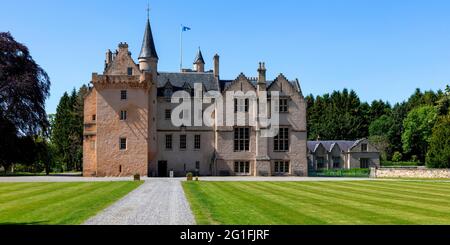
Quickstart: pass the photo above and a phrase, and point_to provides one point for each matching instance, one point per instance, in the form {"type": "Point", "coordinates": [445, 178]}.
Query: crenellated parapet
{"type": "Point", "coordinates": [142, 81]}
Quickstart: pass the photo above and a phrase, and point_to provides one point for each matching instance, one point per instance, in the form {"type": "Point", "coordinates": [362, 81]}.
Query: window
{"type": "Point", "coordinates": [197, 166]}
{"type": "Point", "coordinates": [281, 141]}
{"type": "Point", "coordinates": [320, 163]}
{"type": "Point", "coordinates": [168, 142]}
{"type": "Point", "coordinates": [283, 105]}
{"type": "Point", "coordinates": [364, 147]}
{"type": "Point", "coordinates": [241, 139]}
{"type": "Point", "coordinates": [336, 162]}
{"type": "Point", "coordinates": [282, 167]}
{"type": "Point", "coordinates": [123, 95]}
{"type": "Point", "coordinates": [242, 168]}
{"type": "Point", "coordinates": [183, 142]}
{"type": "Point", "coordinates": [130, 71]}
{"type": "Point", "coordinates": [168, 114]}
{"type": "Point", "coordinates": [120, 168]}
{"type": "Point", "coordinates": [94, 117]}
{"type": "Point", "coordinates": [123, 144]}
{"type": "Point", "coordinates": [123, 115]}
{"type": "Point", "coordinates": [241, 105]}
{"type": "Point", "coordinates": [197, 142]}
{"type": "Point", "coordinates": [364, 162]}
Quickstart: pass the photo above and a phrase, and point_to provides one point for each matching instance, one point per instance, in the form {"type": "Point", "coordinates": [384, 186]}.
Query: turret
{"type": "Point", "coordinates": [148, 58]}
{"type": "Point", "coordinates": [199, 63]}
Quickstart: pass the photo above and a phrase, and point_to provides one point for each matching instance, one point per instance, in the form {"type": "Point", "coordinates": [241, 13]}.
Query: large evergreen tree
{"type": "Point", "coordinates": [67, 130]}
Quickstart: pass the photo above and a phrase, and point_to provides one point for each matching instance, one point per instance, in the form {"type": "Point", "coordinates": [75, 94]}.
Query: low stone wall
{"type": "Point", "coordinates": [410, 173]}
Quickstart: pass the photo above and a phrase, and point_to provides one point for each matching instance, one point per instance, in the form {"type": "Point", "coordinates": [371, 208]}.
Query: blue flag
{"type": "Point", "coordinates": [185, 28]}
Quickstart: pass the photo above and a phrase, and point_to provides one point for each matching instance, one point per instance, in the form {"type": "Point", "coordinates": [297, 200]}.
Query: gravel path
{"type": "Point", "coordinates": [156, 202]}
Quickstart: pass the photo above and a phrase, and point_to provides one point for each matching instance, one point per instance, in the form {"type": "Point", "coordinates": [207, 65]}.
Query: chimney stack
{"type": "Point", "coordinates": [109, 57]}
{"type": "Point", "coordinates": [262, 73]}
{"type": "Point", "coordinates": [216, 65]}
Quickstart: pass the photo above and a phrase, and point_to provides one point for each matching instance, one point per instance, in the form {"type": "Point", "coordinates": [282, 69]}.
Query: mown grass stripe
{"type": "Point", "coordinates": [337, 214]}
{"type": "Point", "coordinates": [399, 195]}
{"type": "Point", "coordinates": [276, 207]}
{"type": "Point", "coordinates": [65, 203]}
{"type": "Point", "coordinates": [435, 194]}
{"type": "Point", "coordinates": [417, 213]}
{"type": "Point", "coordinates": [357, 213]}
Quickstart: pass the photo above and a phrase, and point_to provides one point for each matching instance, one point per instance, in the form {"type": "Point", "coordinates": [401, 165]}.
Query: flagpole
{"type": "Point", "coordinates": [181, 48]}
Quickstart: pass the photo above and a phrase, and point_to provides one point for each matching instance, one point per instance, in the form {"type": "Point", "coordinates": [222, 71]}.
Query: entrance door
{"type": "Point", "coordinates": [162, 169]}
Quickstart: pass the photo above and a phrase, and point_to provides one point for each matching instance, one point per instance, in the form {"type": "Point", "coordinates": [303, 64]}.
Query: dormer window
{"type": "Point", "coordinates": [168, 92]}
{"type": "Point", "coordinates": [364, 148]}
{"type": "Point", "coordinates": [130, 71]}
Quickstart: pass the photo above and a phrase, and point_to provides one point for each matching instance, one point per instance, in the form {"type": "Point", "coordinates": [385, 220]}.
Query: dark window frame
{"type": "Point", "coordinates": [241, 139]}
{"type": "Point", "coordinates": [197, 142]}
{"type": "Point", "coordinates": [169, 142]}
{"type": "Point", "coordinates": [123, 115]}
{"type": "Point", "coordinates": [183, 142]}
{"type": "Point", "coordinates": [123, 95]}
{"type": "Point", "coordinates": [168, 114]}
{"type": "Point", "coordinates": [123, 144]}
{"type": "Point", "coordinates": [282, 167]}
{"type": "Point", "coordinates": [281, 142]}
{"type": "Point", "coordinates": [242, 167]}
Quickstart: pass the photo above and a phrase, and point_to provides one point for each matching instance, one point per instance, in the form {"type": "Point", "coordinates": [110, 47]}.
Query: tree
{"type": "Point", "coordinates": [337, 116]}
{"type": "Point", "coordinates": [67, 130]}
{"type": "Point", "coordinates": [438, 155]}
{"type": "Point", "coordinates": [381, 143]}
{"type": "Point", "coordinates": [417, 131]}
{"type": "Point", "coordinates": [24, 87]}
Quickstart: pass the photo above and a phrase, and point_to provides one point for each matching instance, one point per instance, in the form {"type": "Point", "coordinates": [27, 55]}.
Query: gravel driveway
{"type": "Point", "coordinates": [156, 202]}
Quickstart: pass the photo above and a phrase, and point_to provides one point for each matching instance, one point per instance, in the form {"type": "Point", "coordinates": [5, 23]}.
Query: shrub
{"type": "Point", "coordinates": [398, 164]}
{"type": "Point", "coordinates": [355, 172]}
{"type": "Point", "coordinates": [137, 177]}
{"type": "Point", "coordinates": [397, 157]}
{"type": "Point", "coordinates": [189, 176]}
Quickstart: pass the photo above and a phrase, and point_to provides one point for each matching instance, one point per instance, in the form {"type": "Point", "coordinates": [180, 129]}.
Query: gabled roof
{"type": "Point", "coordinates": [344, 145]}
{"type": "Point", "coordinates": [148, 49]}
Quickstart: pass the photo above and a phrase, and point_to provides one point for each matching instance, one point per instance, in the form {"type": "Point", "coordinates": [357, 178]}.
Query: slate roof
{"type": "Point", "coordinates": [344, 145]}
{"type": "Point", "coordinates": [148, 49]}
{"type": "Point", "coordinates": [179, 80]}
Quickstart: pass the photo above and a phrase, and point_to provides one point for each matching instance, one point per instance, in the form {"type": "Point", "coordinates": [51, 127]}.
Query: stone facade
{"type": "Point", "coordinates": [410, 173]}
{"type": "Point", "coordinates": [146, 142]}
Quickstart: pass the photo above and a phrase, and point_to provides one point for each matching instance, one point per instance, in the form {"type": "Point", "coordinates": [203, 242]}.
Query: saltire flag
{"type": "Point", "coordinates": [185, 28]}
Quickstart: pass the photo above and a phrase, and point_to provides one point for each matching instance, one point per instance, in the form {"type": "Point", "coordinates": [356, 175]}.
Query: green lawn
{"type": "Point", "coordinates": [57, 203]}
{"type": "Point", "coordinates": [357, 202]}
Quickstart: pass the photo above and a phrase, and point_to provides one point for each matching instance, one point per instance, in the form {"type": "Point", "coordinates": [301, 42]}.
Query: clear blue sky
{"type": "Point", "coordinates": [382, 49]}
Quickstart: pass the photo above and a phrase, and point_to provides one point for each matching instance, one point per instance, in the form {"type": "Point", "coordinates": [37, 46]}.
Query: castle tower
{"type": "Point", "coordinates": [199, 63]}
{"type": "Point", "coordinates": [148, 58]}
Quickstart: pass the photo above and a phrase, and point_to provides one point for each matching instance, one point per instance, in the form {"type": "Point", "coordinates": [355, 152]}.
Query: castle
{"type": "Point", "coordinates": [128, 128]}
